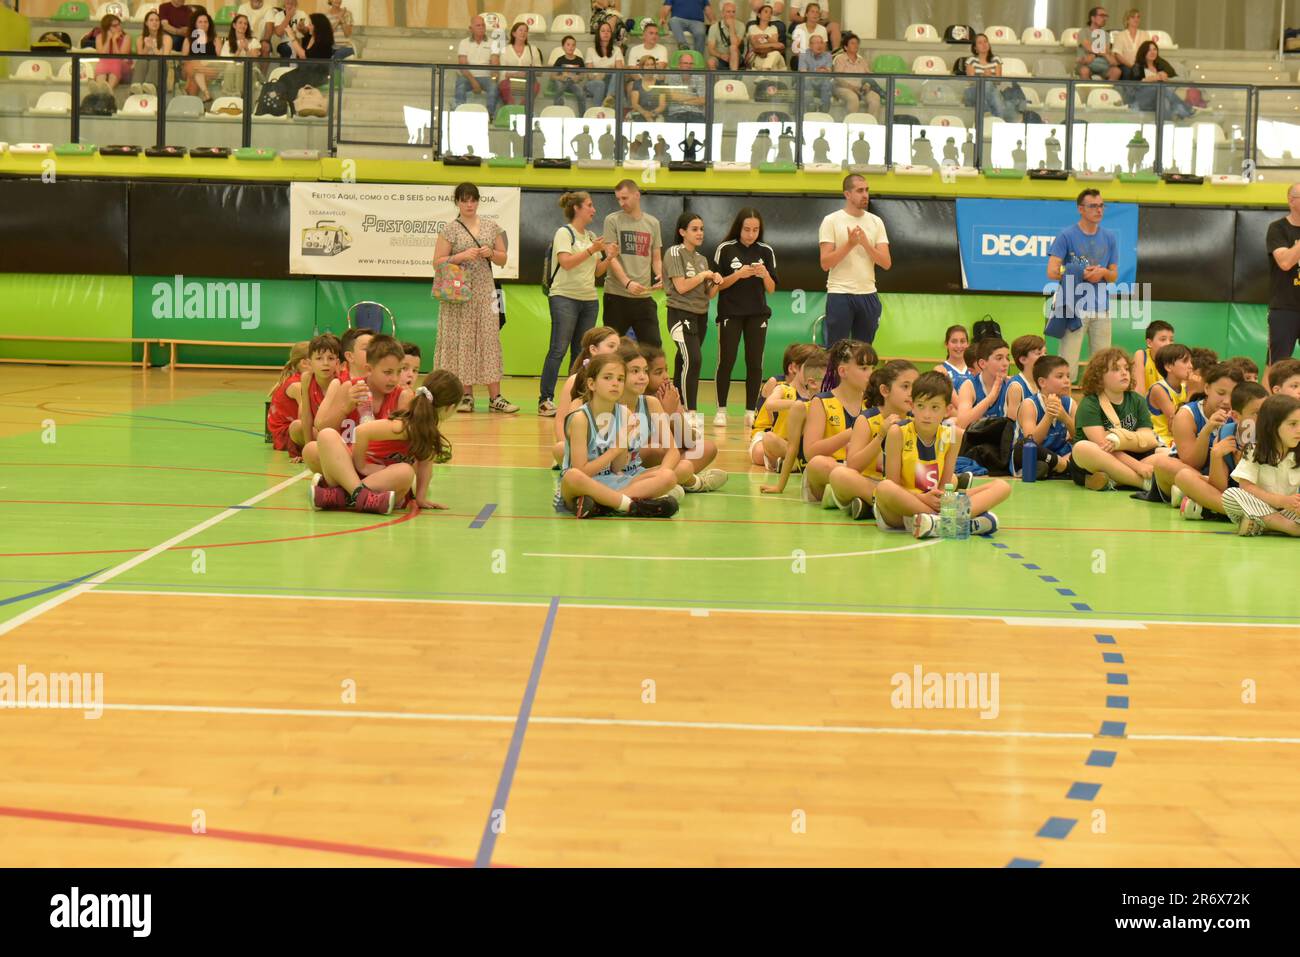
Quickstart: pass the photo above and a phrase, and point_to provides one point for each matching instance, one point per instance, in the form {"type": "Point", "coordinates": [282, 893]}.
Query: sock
{"type": "Point", "coordinates": [695, 485]}
{"type": "Point", "coordinates": [625, 505]}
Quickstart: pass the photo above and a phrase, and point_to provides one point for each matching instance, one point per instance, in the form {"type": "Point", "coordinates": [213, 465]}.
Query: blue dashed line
{"type": "Point", "coordinates": [1057, 828]}
{"type": "Point", "coordinates": [1032, 567]}
{"type": "Point", "coordinates": [1112, 657]}
{"type": "Point", "coordinates": [999, 545]}
{"type": "Point", "coordinates": [1065, 591]}
{"type": "Point", "coordinates": [1116, 701]}
{"type": "Point", "coordinates": [1112, 729]}
{"type": "Point", "coordinates": [1014, 555]}
{"type": "Point", "coordinates": [1105, 639]}
{"type": "Point", "coordinates": [1114, 678]}
{"type": "Point", "coordinates": [1023, 862]}
{"type": "Point", "coordinates": [1049, 578]}
{"type": "Point", "coordinates": [1081, 606]}
{"type": "Point", "coordinates": [1082, 791]}
{"type": "Point", "coordinates": [1100, 759]}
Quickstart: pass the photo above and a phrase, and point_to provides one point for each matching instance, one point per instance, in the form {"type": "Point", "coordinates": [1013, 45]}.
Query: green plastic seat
{"type": "Point", "coordinates": [904, 95]}
{"type": "Point", "coordinates": [889, 63]}
{"type": "Point", "coordinates": [255, 153]}
{"type": "Point", "coordinates": [73, 11]}
{"type": "Point", "coordinates": [226, 15]}
{"type": "Point", "coordinates": [502, 120]}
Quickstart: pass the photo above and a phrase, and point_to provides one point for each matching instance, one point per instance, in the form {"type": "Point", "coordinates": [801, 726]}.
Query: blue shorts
{"type": "Point", "coordinates": [1097, 65]}
{"type": "Point", "coordinates": [611, 480]}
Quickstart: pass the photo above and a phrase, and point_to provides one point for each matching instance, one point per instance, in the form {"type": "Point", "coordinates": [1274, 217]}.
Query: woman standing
{"type": "Point", "coordinates": [577, 260]}
{"type": "Point", "coordinates": [690, 284]}
{"type": "Point", "coordinates": [747, 266]}
{"type": "Point", "coordinates": [468, 342]}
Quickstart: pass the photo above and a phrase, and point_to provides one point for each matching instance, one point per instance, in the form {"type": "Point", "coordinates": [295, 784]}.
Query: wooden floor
{"type": "Point", "coordinates": [284, 687]}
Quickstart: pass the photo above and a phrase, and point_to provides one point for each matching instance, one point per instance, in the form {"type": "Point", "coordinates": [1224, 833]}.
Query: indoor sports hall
{"type": "Point", "coordinates": [199, 668]}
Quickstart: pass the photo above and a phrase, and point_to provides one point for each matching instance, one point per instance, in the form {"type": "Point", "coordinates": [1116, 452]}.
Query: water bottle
{"type": "Point", "coordinates": [948, 512]}
{"type": "Point", "coordinates": [1029, 460]}
{"type": "Point", "coordinates": [963, 517]}
{"type": "Point", "coordinates": [365, 409]}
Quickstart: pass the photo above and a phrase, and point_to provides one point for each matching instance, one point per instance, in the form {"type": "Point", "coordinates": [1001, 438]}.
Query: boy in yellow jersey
{"type": "Point", "coordinates": [1159, 334]}
{"type": "Point", "coordinates": [790, 421]}
{"type": "Point", "coordinates": [1169, 393]}
{"type": "Point", "coordinates": [919, 459]}
{"type": "Point", "coordinates": [769, 441]}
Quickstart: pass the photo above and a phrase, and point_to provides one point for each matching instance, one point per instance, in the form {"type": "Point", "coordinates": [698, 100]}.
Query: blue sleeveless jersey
{"type": "Point", "coordinates": [998, 408]}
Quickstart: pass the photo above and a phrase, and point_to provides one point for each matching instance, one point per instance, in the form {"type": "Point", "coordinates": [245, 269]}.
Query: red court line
{"type": "Point", "coordinates": [188, 545]}
{"type": "Point", "coordinates": [251, 508]}
{"type": "Point", "coordinates": [165, 468]}
{"type": "Point", "coordinates": [245, 837]}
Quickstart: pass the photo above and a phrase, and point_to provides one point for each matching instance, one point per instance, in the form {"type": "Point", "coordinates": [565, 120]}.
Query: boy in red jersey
{"type": "Point", "coordinates": [354, 344]}
{"type": "Point", "coordinates": [293, 414]}
{"type": "Point", "coordinates": [377, 396]}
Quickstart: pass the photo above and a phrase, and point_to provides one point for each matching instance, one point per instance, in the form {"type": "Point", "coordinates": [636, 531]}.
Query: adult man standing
{"type": "Point", "coordinates": [1283, 244]}
{"type": "Point", "coordinates": [1084, 258]}
{"type": "Point", "coordinates": [853, 243]}
{"type": "Point", "coordinates": [634, 246]}
{"type": "Point", "coordinates": [476, 50]}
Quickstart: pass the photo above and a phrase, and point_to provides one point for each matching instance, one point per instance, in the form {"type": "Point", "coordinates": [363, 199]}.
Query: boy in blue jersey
{"type": "Point", "coordinates": [1048, 416]}
{"type": "Point", "coordinates": [1199, 494]}
{"type": "Point", "coordinates": [1197, 427]}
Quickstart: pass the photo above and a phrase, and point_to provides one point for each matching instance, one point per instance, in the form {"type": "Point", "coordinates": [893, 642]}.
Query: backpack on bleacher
{"type": "Point", "coordinates": [99, 101]}
{"type": "Point", "coordinates": [550, 268]}
{"type": "Point", "coordinates": [958, 33]}
{"type": "Point", "coordinates": [310, 102]}
{"type": "Point", "coordinates": [273, 101]}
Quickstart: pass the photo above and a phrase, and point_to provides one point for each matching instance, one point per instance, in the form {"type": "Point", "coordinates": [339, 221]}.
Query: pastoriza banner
{"type": "Point", "coordinates": [368, 229]}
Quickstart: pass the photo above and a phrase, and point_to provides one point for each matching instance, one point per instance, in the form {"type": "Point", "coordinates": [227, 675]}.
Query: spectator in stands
{"type": "Point", "coordinates": [648, 103]}
{"type": "Point", "coordinates": [340, 18]}
{"type": "Point", "coordinates": [686, 99]}
{"type": "Point", "coordinates": [567, 59]}
{"type": "Point", "coordinates": [1283, 244]}
{"type": "Point", "coordinates": [778, 7]}
{"type": "Point", "coordinates": [240, 42]}
{"type": "Point", "coordinates": [1096, 60]}
{"type": "Point", "coordinates": [314, 40]}
{"type": "Point", "coordinates": [200, 51]}
{"type": "Point", "coordinates": [1129, 39]}
{"type": "Point", "coordinates": [808, 26]}
{"type": "Point", "coordinates": [476, 50]}
{"type": "Point", "coordinates": [176, 18]}
{"type": "Point", "coordinates": [800, 11]}
{"type": "Point", "coordinates": [154, 41]}
{"type": "Point", "coordinates": [1151, 69]}
{"type": "Point", "coordinates": [257, 11]}
{"type": "Point", "coordinates": [282, 29]}
{"type": "Point", "coordinates": [726, 40]}
{"type": "Point", "coordinates": [111, 38]}
{"type": "Point", "coordinates": [766, 50]}
{"type": "Point", "coordinates": [518, 52]}
{"type": "Point", "coordinates": [687, 17]}
{"type": "Point", "coordinates": [603, 54]}
{"type": "Point", "coordinates": [649, 45]}
{"type": "Point", "coordinates": [984, 62]}
{"type": "Point", "coordinates": [855, 92]}
{"type": "Point", "coordinates": [817, 59]}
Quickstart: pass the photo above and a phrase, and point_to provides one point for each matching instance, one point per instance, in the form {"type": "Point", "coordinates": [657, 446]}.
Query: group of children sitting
{"type": "Point", "coordinates": [349, 409]}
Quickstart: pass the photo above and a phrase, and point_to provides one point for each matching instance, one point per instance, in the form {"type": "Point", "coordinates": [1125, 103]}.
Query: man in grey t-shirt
{"type": "Point", "coordinates": [634, 246]}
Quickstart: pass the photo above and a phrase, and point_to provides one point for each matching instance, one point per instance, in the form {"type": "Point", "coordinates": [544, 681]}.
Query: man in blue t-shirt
{"type": "Point", "coordinates": [688, 17]}
{"type": "Point", "coordinates": [1084, 259]}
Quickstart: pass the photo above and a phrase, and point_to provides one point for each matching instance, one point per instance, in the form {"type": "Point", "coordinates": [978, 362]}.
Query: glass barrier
{"type": "Point", "coordinates": [1114, 128]}
{"type": "Point", "coordinates": [753, 118]}
{"type": "Point", "coordinates": [1277, 127]}
{"type": "Point", "coordinates": [1025, 128]}
{"type": "Point", "coordinates": [391, 105]}
{"type": "Point", "coordinates": [933, 120]}
{"type": "Point", "coordinates": [1203, 129]}
{"type": "Point", "coordinates": [664, 115]}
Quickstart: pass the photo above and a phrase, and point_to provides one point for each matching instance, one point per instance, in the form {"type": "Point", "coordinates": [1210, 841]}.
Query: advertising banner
{"type": "Point", "coordinates": [367, 229]}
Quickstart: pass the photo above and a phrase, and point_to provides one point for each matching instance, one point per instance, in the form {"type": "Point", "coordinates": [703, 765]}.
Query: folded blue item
{"type": "Point", "coordinates": [968, 465]}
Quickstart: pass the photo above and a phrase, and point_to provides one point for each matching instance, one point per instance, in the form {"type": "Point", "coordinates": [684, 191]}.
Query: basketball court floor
{"type": "Point", "coordinates": [498, 684]}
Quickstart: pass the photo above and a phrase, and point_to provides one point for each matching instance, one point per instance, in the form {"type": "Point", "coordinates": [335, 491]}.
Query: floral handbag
{"type": "Point", "coordinates": [450, 284]}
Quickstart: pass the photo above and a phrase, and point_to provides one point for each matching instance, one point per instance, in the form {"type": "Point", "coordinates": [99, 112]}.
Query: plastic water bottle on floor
{"type": "Point", "coordinates": [1029, 460]}
{"type": "Point", "coordinates": [962, 517]}
{"type": "Point", "coordinates": [948, 512]}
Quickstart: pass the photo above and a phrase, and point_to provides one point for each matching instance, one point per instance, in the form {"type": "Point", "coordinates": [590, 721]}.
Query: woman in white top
{"type": "Point", "coordinates": [577, 261]}
{"type": "Point", "coordinates": [766, 51]}
{"type": "Point", "coordinates": [604, 54]}
{"type": "Point", "coordinates": [519, 52]}
{"type": "Point", "coordinates": [983, 62]}
{"type": "Point", "coordinates": [1129, 39]}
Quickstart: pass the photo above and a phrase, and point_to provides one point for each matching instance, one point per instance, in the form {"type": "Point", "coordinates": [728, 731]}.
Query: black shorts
{"type": "Point", "coordinates": [1080, 474]}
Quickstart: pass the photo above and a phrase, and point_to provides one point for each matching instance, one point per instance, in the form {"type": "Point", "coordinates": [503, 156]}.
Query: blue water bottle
{"type": "Point", "coordinates": [1029, 460]}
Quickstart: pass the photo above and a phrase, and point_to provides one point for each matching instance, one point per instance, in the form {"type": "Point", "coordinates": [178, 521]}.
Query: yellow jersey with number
{"type": "Point", "coordinates": [923, 464]}
{"type": "Point", "coordinates": [838, 419]}
{"type": "Point", "coordinates": [875, 423]}
{"type": "Point", "coordinates": [1160, 424]}
{"type": "Point", "coordinates": [768, 420]}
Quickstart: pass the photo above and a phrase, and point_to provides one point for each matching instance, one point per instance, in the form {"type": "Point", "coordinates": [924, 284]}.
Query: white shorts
{"type": "Point", "coordinates": [755, 440]}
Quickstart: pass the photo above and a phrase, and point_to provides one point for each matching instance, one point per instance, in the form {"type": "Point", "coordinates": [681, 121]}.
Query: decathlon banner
{"type": "Point", "coordinates": [1004, 242]}
{"type": "Point", "coordinates": [366, 229]}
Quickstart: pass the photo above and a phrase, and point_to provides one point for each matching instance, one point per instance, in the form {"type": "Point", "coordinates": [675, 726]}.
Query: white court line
{"type": "Point", "coordinates": [644, 723]}
{"type": "Point", "coordinates": [788, 556]}
{"type": "Point", "coordinates": [130, 563]}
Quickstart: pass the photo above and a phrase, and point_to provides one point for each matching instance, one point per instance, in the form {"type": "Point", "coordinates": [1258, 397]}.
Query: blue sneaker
{"type": "Point", "coordinates": [985, 524]}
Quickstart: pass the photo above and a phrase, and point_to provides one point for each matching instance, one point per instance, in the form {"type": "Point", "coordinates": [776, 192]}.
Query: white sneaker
{"type": "Point", "coordinates": [720, 420]}
{"type": "Point", "coordinates": [713, 479]}
{"type": "Point", "coordinates": [749, 420]}
{"type": "Point", "coordinates": [923, 525]}
{"type": "Point", "coordinates": [1191, 509]}
{"type": "Point", "coordinates": [546, 408]}
{"type": "Point", "coordinates": [502, 404]}
{"type": "Point", "coordinates": [829, 500]}
{"type": "Point", "coordinates": [985, 524]}
{"type": "Point", "coordinates": [881, 523]}
{"type": "Point", "coordinates": [1176, 496]}
{"type": "Point", "coordinates": [805, 492]}
{"type": "Point", "coordinates": [677, 493]}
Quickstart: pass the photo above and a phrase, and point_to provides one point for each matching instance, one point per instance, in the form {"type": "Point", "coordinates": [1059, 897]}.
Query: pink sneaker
{"type": "Point", "coordinates": [377, 503]}
{"type": "Point", "coordinates": [325, 497]}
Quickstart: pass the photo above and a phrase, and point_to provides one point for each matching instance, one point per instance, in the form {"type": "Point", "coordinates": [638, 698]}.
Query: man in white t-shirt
{"type": "Point", "coordinates": [853, 243]}
{"type": "Point", "coordinates": [278, 35]}
{"type": "Point", "coordinates": [257, 11]}
{"type": "Point", "coordinates": [649, 46]}
{"type": "Point", "coordinates": [476, 50]}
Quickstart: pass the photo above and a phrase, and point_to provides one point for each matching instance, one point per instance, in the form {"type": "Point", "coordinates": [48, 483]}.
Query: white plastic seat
{"type": "Point", "coordinates": [929, 65]}
{"type": "Point", "coordinates": [1031, 96]}
{"type": "Point", "coordinates": [494, 21]}
{"type": "Point", "coordinates": [1105, 98]}
{"type": "Point", "coordinates": [861, 119]}
{"type": "Point", "coordinates": [470, 108]}
{"type": "Point", "coordinates": [598, 113]}
{"type": "Point", "coordinates": [141, 104]}
{"type": "Point", "coordinates": [1014, 66]}
{"type": "Point", "coordinates": [184, 106]}
{"type": "Point", "coordinates": [733, 90]}
{"type": "Point", "coordinates": [818, 118]}
{"type": "Point", "coordinates": [536, 22]}
{"type": "Point", "coordinates": [939, 93]}
{"type": "Point", "coordinates": [1038, 37]}
{"type": "Point", "coordinates": [947, 119]}
{"type": "Point", "coordinates": [33, 71]}
{"type": "Point", "coordinates": [278, 72]}
{"type": "Point", "coordinates": [1163, 40]}
{"type": "Point", "coordinates": [568, 23]}
{"type": "Point", "coordinates": [560, 111]}
{"type": "Point", "coordinates": [1057, 98]}
{"type": "Point", "coordinates": [55, 102]}
{"type": "Point", "coordinates": [921, 33]}
{"type": "Point", "coordinates": [1070, 38]}
{"type": "Point", "coordinates": [222, 102]}
{"type": "Point", "coordinates": [117, 8]}
{"type": "Point", "coordinates": [1001, 36]}
{"type": "Point", "coordinates": [87, 71]}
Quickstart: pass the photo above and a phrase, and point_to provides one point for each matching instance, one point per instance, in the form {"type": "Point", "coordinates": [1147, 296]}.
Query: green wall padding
{"type": "Point", "coordinates": [38, 304]}
{"type": "Point", "coordinates": [1248, 331]}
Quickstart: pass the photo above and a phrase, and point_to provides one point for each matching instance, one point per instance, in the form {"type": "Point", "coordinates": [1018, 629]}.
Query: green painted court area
{"type": "Point", "coordinates": [102, 467]}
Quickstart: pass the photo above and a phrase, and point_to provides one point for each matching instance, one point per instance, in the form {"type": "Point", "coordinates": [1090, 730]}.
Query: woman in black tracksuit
{"type": "Point", "coordinates": [747, 266]}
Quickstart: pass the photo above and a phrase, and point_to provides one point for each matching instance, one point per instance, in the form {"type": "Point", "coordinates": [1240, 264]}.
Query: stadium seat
{"type": "Point", "coordinates": [1000, 36]}
{"type": "Point", "coordinates": [56, 102]}
{"type": "Point", "coordinates": [470, 108]}
{"type": "Point", "coordinates": [568, 23]}
{"type": "Point", "coordinates": [87, 71]}
{"type": "Point", "coordinates": [940, 93]}
{"type": "Point", "coordinates": [1163, 40]}
{"type": "Point", "coordinates": [72, 12]}
{"type": "Point", "coordinates": [594, 113]}
{"type": "Point", "coordinates": [494, 21]}
{"type": "Point", "coordinates": [860, 119]}
{"type": "Point", "coordinates": [504, 113]}
{"type": "Point", "coordinates": [117, 8]}
{"type": "Point", "coordinates": [369, 314]}
{"type": "Point", "coordinates": [1057, 98]}
{"type": "Point", "coordinates": [888, 63]}
{"type": "Point", "coordinates": [278, 72]}
{"type": "Point", "coordinates": [1038, 37]}
{"type": "Point", "coordinates": [141, 8]}
{"type": "Point", "coordinates": [536, 22]}
{"type": "Point", "coordinates": [1070, 38]}
{"type": "Point", "coordinates": [1013, 66]}
{"type": "Point", "coordinates": [1105, 98]}
{"type": "Point", "coordinates": [733, 90]}
{"type": "Point", "coordinates": [1031, 96]}
{"type": "Point", "coordinates": [921, 33]}
{"type": "Point", "coordinates": [358, 10]}
{"type": "Point", "coordinates": [33, 71]}
{"type": "Point", "coordinates": [226, 15]}
{"type": "Point", "coordinates": [184, 106]}
{"type": "Point", "coordinates": [141, 104]}
{"type": "Point", "coordinates": [564, 112]}
{"type": "Point", "coordinates": [904, 95]}
{"type": "Point", "coordinates": [1050, 66]}
{"type": "Point", "coordinates": [929, 65]}
{"type": "Point", "coordinates": [225, 102]}
{"type": "Point", "coordinates": [947, 119]}
{"type": "Point", "coordinates": [817, 118]}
